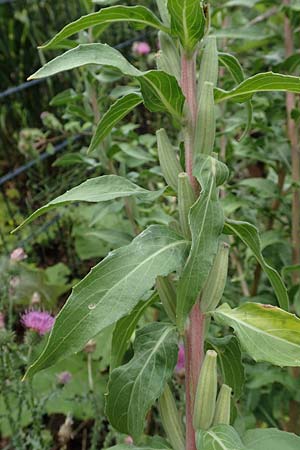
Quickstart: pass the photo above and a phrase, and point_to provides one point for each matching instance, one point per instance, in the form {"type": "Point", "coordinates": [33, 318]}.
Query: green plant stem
{"type": "Point", "coordinates": [194, 335]}
{"type": "Point", "coordinates": [194, 350]}
{"type": "Point", "coordinates": [90, 372]}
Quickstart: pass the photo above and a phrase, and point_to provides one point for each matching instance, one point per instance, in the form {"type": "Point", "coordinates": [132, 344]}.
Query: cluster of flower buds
{"type": "Point", "coordinates": [208, 408]}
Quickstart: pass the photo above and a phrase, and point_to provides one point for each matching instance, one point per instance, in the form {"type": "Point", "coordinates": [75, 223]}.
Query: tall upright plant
{"type": "Point", "coordinates": [186, 262]}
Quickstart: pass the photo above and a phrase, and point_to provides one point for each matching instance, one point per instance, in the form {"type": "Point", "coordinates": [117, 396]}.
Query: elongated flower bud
{"type": "Point", "coordinates": [163, 11]}
{"type": "Point", "coordinates": [206, 122]}
{"type": "Point", "coordinates": [186, 198]}
{"type": "Point", "coordinates": [216, 281]}
{"type": "Point", "coordinates": [167, 295]}
{"type": "Point", "coordinates": [205, 399]}
{"type": "Point", "coordinates": [171, 420]}
{"type": "Point", "coordinates": [169, 163]}
{"type": "Point", "coordinates": [209, 66]}
{"type": "Point", "coordinates": [168, 58]}
{"type": "Point", "coordinates": [222, 415]}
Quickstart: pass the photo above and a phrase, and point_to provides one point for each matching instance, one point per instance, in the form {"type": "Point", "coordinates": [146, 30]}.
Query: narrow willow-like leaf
{"type": "Point", "coordinates": [232, 64]}
{"type": "Point", "coordinates": [266, 333]}
{"type": "Point", "coordinates": [116, 112]}
{"type": "Point", "coordinates": [134, 387]}
{"type": "Point", "coordinates": [138, 15]}
{"type": "Point", "coordinates": [291, 63]}
{"type": "Point", "coordinates": [161, 91]}
{"type": "Point", "coordinates": [83, 54]}
{"type": "Point", "coordinates": [248, 233]}
{"type": "Point", "coordinates": [230, 361]}
{"type": "Point", "coordinates": [123, 331]}
{"type": "Point", "coordinates": [262, 82]}
{"type": "Point", "coordinates": [271, 439]}
{"type": "Point", "coordinates": [187, 22]}
{"type": "Point", "coordinates": [94, 190]}
{"type": "Point", "coordinates": [206, 222]}
{"type": "Point", "coordinates": [237, 73]}
{"type": "Point", "coordinates": [111, 290]}
{"type": "Point", "coordinates": [220, 437]}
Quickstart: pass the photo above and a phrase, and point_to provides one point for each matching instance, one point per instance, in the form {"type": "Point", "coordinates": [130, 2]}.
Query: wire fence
{"type": "Point", "coordinates": [25, 168]}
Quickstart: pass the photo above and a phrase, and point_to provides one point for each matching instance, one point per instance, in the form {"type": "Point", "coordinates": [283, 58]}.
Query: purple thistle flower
{"type": "Point", "coordinates": [39, 321]}
{"type": "Point", "coordinates": [64, 377]}
{"type": "Point", "coordinates": [181, 359]}
{"type": "Point", "coordinates": [141, 48]}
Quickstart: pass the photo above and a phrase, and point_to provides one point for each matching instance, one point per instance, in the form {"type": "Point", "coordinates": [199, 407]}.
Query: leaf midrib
{"type": "Point", "coordinates": [258, 330]}
{"type": "Point", "coordinates": [103, 298]}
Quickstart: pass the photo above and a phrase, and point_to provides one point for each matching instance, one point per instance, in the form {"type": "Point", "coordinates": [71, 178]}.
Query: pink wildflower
{"type": "Point", "coordinates": [38, 321]}
{"type": "Point", "coordinates": [64, 377]}
{"type": "Point", "coordinates": [181, 359]}
{"type": "Point", "coordinates": [141, 48]}
{"type": "Point", "coordinates": [128, 440]}
{"type": "Point", "coordinates": [18, 254]}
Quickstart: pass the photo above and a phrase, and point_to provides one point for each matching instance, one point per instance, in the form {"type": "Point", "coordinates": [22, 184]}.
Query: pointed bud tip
{"type": "Point", "coordinates": [211, 353]}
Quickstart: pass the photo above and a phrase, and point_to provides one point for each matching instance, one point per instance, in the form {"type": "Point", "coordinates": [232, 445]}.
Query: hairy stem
{"type": "Point", "coordinates": [194, 335]}
{"type": "Point", "coordinates": [194, 350]}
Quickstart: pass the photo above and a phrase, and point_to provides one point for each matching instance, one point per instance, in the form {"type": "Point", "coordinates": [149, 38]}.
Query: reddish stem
{"type": "Point", "coordinates": [194, 335]}
{"type": "Point", "coordinates": [194, 349]}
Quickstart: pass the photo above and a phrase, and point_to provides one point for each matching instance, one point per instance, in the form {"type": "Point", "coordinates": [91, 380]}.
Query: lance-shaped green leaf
{"type": "Point", "coordinates": [262, 82]}
{"type": "Point", "coordinates": [134, 387]}
{"type": "Point", "coordinates": [220, 437]}
{"type": "Point", "coordinates": [291, 64]}
{"type": "Point", "coordinates": [235, 69]}
{"type": "Point", "coordinates": [123, 331]}
{"type": "Point", "coordinates": [161, 91]}
{"type": "Point", "coordinates": [266, 333]}
{"type": "Point", "coordinates": [230, 360]}
{"type": "Point", "coordinates": [116, 112]}
{"type": "Point", "coordinates": [94, 190]}
{"type": "Point", "coordinates": [187, 22]}
{"type": "Point", "coordinates": [111, 290]}
{"type": "Point", "coordinates": [138, 15]}
{"type": "Point", "coordinates": [232, 64]}
{"type": "Point", "coordinates": [83, 54]}
{"type": "Point", "coordinates": [248, 233]}
{"type": "Point", "coordinates": [206, 222]}
{"type": "Point", "coordinates": [271, 439]}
